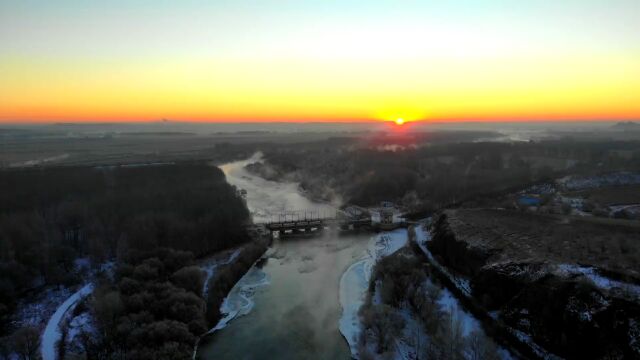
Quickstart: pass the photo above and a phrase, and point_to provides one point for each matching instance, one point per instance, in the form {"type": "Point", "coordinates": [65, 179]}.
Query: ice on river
{"type": "Point", "coordinates": [355, 282]}
{"type": "Point", "coordinates": [239, 302]}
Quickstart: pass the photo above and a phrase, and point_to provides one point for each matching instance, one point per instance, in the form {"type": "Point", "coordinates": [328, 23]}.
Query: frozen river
{"type": "Point", "coordinates": [303, 301]}
{"type": "Point", "coordinates": [289, 307]}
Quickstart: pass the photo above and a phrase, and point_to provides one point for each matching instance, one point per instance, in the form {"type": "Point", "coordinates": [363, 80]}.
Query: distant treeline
{"type": "Point", "coordinates": [51, 216]}
{"type": "Point", "coordinates": [425, 174]}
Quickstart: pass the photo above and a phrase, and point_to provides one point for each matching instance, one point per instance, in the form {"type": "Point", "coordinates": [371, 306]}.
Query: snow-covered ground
{"type": "Point", "coordinates": [41, 161]}
{"type": "Point", "coordinates": [353, 289]}
{"type": "Point", "coordinates": [52, 332]}
{"type": "Point", "coordinates": [78, 324]}
{"type": "Point", "coordinates": [447, 300]}
{"type": "Point", "coordinates": [422, 237]}
{"type": "Point", "coordinates": [355, 282]}
{"type": "Point", "coordinates": [54, 306]}
{"type": "Point", "coordinates": [36, 311]}
{"type": "Point", "coordinates": [239, 302]}
{"type": "Point", "coordinates": [600, 281]}
{"type": "Point", "coordinates": [616, 208]}
{"type": "Point", "coordinates": [449, 303]}
{"type": "Point", "coordinates": [212, 265]}
{"type": "Point", "coordinates": [591, 182]}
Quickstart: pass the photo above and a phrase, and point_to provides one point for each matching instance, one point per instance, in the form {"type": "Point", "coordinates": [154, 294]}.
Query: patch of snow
{"type": "Point", "coordinates": [600, 281]}
{"type": "Point", "coordinates": [448, 302]}
{"type": "Point", "coordinates": [82, 264]}
{"type": "Point", "coordinates": [387, 243]}
{"type": "Point", "coordinates": [133, 165]}
{"type": "Point", "coordinates": [353, 290]}
{"type": "Point", "coordinates": [423, 236]}
{"type": "Point", "coordinates": [211, 267]}
{"type": "Point", "coordinates": [35, 162]}
{"type": "Point", "coordinates": [52, 333]}
{"type": "Point", "coordinates": [79, 324]}
{"type": "Point", "coordinates": [355, 282]}
{"type": "Point", "coordinates": [239, 302]}
{"type": "Point", "coordinates": [591, 182]}
{"type": "Point", "coordinates": [539, 351]}
{"type": "Point", "coordinates": [36, 312]}
{"type": "Point", "coordinates": [407, 346]}
{"type": "Point", "coordinates": [540, 189]}
{"type": "Point", "coordinates": [422, 233]}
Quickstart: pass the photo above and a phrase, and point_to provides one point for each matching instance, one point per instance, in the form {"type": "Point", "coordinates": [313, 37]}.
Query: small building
{"type": "Point", "coordinates": [387, 216]}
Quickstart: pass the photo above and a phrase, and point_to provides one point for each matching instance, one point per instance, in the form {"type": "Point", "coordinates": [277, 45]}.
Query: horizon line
{"type": "Point", "coordinates": [309, 121]}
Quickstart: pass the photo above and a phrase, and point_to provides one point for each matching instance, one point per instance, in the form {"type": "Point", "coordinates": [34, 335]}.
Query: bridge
{"type": "Point", "coordinates": [310, 222]}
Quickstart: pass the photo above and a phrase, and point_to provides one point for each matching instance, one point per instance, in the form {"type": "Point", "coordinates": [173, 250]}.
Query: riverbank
{"type": "Point", "coordinates": [354, 283]}
{"type": "Point", "coordinates": [405, 312]}
{"type": "Point", "coordinates": [461, 290]}
{"type": "Point", "coordinates": [226, 277]}
{"type": "Point", "coordinates": [288, 305]}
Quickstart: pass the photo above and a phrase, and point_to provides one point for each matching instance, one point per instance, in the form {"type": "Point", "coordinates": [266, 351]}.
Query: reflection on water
{"type": "Point", "coordinates": [296, 316]}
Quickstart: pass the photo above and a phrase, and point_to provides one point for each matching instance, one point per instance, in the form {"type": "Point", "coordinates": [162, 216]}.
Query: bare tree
{"type": "Point", "coordinates": [384, 324]}
{"type": "Point", "coordinates": [448, 342]}
{"type": "Point", "coordinates": [26, 342]}
{"type": "Point", "coordinates": [480, 347]}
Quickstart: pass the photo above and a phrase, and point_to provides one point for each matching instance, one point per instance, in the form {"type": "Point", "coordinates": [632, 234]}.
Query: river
{"type": "Point", "coordinates": [289, 307]}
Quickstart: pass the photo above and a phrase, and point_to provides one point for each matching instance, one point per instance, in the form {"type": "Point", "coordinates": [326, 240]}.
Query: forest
{"type": "Point", "coordinates": [152, 220]}
{"type": "Point", "coordinates": [423, 174]}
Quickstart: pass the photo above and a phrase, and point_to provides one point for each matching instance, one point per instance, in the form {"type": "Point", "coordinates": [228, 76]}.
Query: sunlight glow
{"type": "Point", "coordinates": [320, 61]}
{"type": "Point", "coordinates": [399, 121]}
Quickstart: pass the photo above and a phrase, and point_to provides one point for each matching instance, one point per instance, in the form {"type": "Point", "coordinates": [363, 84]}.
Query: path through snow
{"type": "Point", "coordinates": [52, 332]}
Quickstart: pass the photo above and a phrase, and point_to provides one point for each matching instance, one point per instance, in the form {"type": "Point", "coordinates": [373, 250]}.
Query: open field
{"type": "Point", "coordinates": [39, 149]}
{"type": "Point", "coordinates": [607, 196]}
{"type": "Point", "coordinates": [514, 236]}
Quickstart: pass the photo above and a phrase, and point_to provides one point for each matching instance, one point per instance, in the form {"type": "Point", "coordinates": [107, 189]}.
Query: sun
{"type": "Point", "coordinates": [399, 121]}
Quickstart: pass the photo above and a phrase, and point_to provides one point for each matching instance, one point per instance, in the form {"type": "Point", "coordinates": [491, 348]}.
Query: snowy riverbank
{"type": "Point", "coordinates": [211, 266]}
{"type": "Point", "coordinates": [447, 300]}
{"type": "Point", "coordinates": [354, 283]}
{"type": "Point", "coordinates": [240, 302]}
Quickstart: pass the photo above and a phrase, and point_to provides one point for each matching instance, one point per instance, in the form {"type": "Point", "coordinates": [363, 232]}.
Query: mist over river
{"type": "Point", "coordinates": [289, 307]}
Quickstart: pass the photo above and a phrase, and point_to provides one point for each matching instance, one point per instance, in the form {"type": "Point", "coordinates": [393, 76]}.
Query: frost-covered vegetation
{"type": "Point", "coordinates": [223, 280]}
{"type": "Point", "coordinates": [408, 315]}
{"type": "Point", "coordinates": [153, 220]}
{"type": "Point", "coordinates": [561, 285]}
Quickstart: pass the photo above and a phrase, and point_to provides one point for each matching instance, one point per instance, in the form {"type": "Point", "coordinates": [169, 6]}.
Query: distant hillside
{"type": "Point", "coordinates": [626, 126]}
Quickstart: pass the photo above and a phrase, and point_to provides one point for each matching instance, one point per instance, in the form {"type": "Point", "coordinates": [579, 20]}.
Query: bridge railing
{"type": "Point", "coordinates": [302, 215]}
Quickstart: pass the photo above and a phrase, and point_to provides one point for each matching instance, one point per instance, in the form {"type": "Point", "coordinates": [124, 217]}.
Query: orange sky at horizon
{"type": "Point", "coordinates": [275, 61]}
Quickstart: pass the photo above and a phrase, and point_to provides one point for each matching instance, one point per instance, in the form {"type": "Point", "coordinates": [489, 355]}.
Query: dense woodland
{"type": "Point", "coordinates": [424, 174]}
{"type": "Point", "coordinates": [154, 220]}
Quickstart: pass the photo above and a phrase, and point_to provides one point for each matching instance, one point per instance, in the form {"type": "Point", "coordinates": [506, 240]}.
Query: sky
{"type": "Point", "coordinates": [270, 60]}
